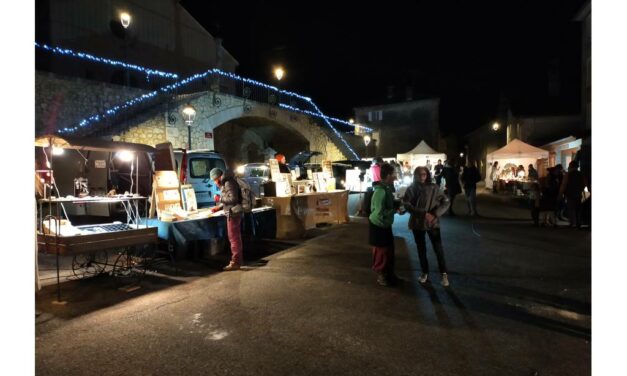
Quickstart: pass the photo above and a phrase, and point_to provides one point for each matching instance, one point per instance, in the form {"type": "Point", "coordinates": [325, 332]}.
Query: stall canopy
{"type": "Point", "coordinates": [419, 155]}
{"type": "Point", "coordinates": [517, 149]}
{"type": "Point", "coordinates": [517, 153]}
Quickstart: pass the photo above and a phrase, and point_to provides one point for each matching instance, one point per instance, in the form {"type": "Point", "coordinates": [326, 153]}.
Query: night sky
{"type": "Point", "coordinates": [469, 54]}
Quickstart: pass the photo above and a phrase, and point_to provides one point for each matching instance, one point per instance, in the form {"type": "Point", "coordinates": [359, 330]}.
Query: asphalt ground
{"type": "Point", "coordinates": [518, 304]}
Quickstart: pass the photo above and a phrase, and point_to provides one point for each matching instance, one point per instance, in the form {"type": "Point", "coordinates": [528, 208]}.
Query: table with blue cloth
{"type": "Point", "coordinates": [260, 224]}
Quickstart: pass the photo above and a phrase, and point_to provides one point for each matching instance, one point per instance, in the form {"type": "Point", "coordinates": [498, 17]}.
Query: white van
{"type": "Point", "coordinates": [199, 164]}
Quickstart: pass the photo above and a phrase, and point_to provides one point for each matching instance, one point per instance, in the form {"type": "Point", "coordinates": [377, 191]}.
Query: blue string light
{"type": "Point", "coordinates": [86, 56]}
{"type": "Point", "coordinates": [165, 89]}
{"type": "Point", "coordinates": [310, 113]}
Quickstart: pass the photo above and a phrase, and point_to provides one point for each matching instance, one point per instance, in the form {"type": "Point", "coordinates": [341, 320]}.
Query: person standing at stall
{"type": "Point", "coordinates": [230, 202]}
{"type": "Point", "coordinates": [494, 174]}
{"type": "Point", "coordinates": [380, 222]}
{"type": "Point", "coordinates": [426, 203]}
{"type": "Point", "coordinates": [532, 173]}
{"type": "Point", "coordinates": [438, 173]}
{"type": "Point", "coordinates": [283, 167]}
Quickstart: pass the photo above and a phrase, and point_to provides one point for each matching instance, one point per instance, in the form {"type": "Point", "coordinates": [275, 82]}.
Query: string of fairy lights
{"type": "Point", "coordinates": [195, 77]}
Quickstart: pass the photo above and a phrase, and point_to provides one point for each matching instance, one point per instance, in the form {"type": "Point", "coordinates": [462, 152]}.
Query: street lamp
{"type": "Point", "coordinates": [496, 126]}
{"type": "Point", "coordinates": [125, 19]}
{"type": "Point", "coordinates": [189, 114]}
{"type": "Point", "coordinates": [351, 120]}
{"type": "Point", "coordinates": [367, 140]}
{"type": "Point", "coordinates": [279, 72]}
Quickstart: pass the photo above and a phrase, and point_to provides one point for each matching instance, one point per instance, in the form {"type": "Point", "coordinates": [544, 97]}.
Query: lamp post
{"type": "Point", "coordinates": [367, 140]}
{"type": "Point", "coordinates": [279, 72]}
{"type": "Point", "coordinates": [125, 21]}
{"type": "Point", "coordinates": [189, 114]}
{"type": "Point", "coordinates": [496, 126]}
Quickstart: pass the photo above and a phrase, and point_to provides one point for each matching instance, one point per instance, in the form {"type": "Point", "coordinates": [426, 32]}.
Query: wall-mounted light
{"type": "Point", "coordinates": [279, 72]}
{"type": "Point", "coordinates": [496, 126]}
{"type": "Point", "coordinates": [125, 19]}
{"type": "Point", "coordinates": [367, 139]}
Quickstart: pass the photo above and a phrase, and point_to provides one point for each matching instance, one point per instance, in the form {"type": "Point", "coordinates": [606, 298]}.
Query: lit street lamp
{"type": "Point", "coordinates": [367, 140]}
{"type": "Point", "coordinates": [189, 113]}
{"type": "Point", "coordinates": [496, 126]}
{"type": "Point", "coordinates": [125, 19]}
{"type": "Point", "coordinates": [279, 72]}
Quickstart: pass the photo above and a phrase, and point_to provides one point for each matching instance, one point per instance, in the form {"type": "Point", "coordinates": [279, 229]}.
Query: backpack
{"type": "Point", "coordinates": [246, 196]}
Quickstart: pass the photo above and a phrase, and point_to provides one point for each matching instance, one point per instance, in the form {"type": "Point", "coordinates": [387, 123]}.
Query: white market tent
{"type": "Point", "coordinates": [517, 153]}
{"type": "Point", "coordinates": [419, 155]}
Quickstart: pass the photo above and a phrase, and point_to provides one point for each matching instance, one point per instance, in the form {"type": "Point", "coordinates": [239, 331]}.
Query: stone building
{"type": "Point", "coordinates": [400, 126]}
{"type": "Point", "coordinates": [162, 35]}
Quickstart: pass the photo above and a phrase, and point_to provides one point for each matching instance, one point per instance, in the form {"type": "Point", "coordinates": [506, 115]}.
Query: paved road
{"type": "Point", "coordinates": [519, 303]}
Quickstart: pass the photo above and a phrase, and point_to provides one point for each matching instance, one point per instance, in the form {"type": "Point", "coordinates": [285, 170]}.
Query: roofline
{"type": "Point", "coordinates": [437, 99]}
{"type": "Point", "coordinates": [583, 12]}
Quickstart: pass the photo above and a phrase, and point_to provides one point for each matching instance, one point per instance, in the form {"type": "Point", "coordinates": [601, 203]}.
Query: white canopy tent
{"type": "Point", "coordinates": [516, 153]}
{"type": "Point", "coordinates": [419, 155]}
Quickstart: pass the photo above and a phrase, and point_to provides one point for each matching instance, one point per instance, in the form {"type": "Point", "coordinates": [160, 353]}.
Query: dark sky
{"type": "Point", "coordinates": [468, 53]}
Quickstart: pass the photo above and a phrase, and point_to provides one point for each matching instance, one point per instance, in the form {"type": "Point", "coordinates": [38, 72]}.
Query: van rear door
{"type": "Point", "coordinates": [198, 168]}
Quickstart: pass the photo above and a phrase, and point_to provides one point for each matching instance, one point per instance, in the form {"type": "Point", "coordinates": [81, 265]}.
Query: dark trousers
{"type": "Point", "coordinates": [383, 259]}
{"type": "Point", "coordinates": [471, 199]}
{"type": "Point", "coordinates": [573, 208]}
{"type": "Point", "coordinates": [451, 198]}
{"type": "Point", "coordinates": [436, 242]}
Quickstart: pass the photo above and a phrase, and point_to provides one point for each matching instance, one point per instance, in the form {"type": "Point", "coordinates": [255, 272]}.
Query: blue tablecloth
{"type": "Point", "coordinates": [260, 224]}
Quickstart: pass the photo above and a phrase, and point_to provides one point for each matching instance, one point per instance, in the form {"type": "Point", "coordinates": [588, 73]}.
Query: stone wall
{"type": "Point", "coordinates": [150, 133]}
{"type": "Point", "coordinates": [64, 101]}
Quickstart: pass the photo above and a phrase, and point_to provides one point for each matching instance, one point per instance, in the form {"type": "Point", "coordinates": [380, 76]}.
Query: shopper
{"type": "Point", "coordinates": [550, 190]}
{"type": "Point", "coordinates": [438, 173]}
{"type": "Point", "coordinates": [470, 177]}
{"type": "Point", "coordinates": [230, 201]}
{"type": "Point", "coordinates": [453, 188]}
{"type": "Point", "coordinates": [380, 227]}
{"type": "Point", "coordinates": [375, 175]}
{"type": "Point", "coordinates": [532, 173]}
{"type": "Point", "coordinates": [494, 174]}
{"type": "Point", "coordinates": [426, 204]}
{"type": "Point", "coordinates": [572, 188]}
{"type": "Point", "coordinates": [283, 167]}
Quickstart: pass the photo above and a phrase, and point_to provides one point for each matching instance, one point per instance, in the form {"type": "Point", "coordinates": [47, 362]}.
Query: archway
{"type": "Point", "coordinates": [244, 140]}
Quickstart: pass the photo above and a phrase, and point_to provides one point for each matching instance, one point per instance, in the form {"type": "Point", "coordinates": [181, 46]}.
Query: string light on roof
{"type": "Point", "coordinates": [96, 59]}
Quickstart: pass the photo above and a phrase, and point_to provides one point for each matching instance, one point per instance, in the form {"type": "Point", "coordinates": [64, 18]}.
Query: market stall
{"type": "Point", "coordinates": [510, 157]}
{"type": "Point", "coordinates": [421, 155]}
{"type": "Point", "coordinates": [116, 247]}
{"type": "Point", "coordinates": [302, 204]}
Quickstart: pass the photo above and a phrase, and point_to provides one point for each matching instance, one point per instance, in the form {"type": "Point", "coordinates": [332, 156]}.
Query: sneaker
{"type": "Point", "coordinates": [381, 280]}
{"type": "Point", "coordinates": [231, 266]}
{"type": "Point", "coordinates": [444, 281]}
{"type": "Point", "coordinates": [423, 277]}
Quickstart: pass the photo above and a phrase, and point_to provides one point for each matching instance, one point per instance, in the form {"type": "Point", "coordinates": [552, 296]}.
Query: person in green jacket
{"type": "Point", "coordinates": [380, 227]}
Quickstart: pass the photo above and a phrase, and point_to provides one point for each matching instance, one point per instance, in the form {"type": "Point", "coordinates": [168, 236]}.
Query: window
{"type": "Point", "coordinates": [200, 167]}
{"type": "Point", "coordinates": [369, 115]}
{"type": "Point", "coordinates": [258, 172]}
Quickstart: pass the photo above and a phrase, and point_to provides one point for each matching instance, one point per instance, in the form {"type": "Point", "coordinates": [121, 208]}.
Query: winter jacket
{"type": "Point", "coordinates": [470, 177]}
{"type": "Point", "coordinates": [382, 206]}
{"type": "Point", "coordinates": [420, 199]}
{"type": "Point", "coordinates": [230, 197]}
{"type": "Point", "coordinates": [451, 176]}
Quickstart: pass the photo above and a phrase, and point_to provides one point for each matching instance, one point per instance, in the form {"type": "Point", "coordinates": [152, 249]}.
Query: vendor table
{"type": "Point", "coordinates": [260, 224]}
{"type": "Point", "coordinates": [90, 244]}
{"type": "Point", "coordinates": [297, 214]}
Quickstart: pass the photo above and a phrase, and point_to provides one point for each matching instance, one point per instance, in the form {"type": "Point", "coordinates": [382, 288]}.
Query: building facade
{"type": "Point", "coordinates": [400, 126]}
{"type": "Point", "coordinates": [161, 35]}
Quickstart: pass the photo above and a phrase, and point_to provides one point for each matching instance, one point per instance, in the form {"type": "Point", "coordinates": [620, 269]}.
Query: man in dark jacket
{"type": "Point", "coordinates": [470, 177]}
{"type": "Point", "coordinates": [230, 202]}
{"type": "Point", "coordinates": [451, 176]}
{"type": "Point", "coordinates": [438, 172]}
{"type": "Point", "coordinates": [572, 188]}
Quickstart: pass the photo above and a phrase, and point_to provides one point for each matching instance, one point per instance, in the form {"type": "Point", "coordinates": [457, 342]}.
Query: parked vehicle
{"type": "Point", "coordinates": [255, 174]}
{"type": "Point", "coordinates": [199, 164]}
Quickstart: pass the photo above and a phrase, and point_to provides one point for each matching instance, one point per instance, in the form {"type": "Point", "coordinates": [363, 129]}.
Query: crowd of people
{"type": "Point", "coordinates": [431, 195]}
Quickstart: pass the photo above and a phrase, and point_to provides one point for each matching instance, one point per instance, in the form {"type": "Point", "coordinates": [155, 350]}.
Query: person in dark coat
{"type": "Point", "coordinates": [230, 201]}
{"type": "Point", "coordinates": [426, 203]}
{"type": "Point", "coordinates": [550, 186]}
{"type": "Point", "coordinates": [453, 188]}
{"type": "Point", "coordinates": [470, 177]}
{"type": "Point", "coordinates": [380, 222]}
{"type": "Point", "coordinates": [438, 172]}
{"type": "Point", "coordinates": [572, 188]}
